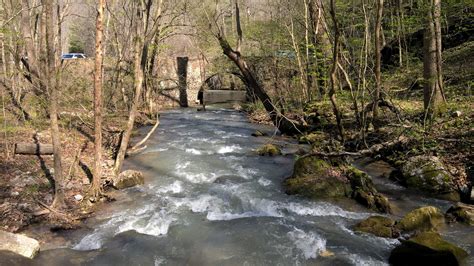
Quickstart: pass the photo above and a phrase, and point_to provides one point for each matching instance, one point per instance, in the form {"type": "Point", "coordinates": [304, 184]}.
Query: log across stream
{"type": "Point", "coordinates": [208, 199]}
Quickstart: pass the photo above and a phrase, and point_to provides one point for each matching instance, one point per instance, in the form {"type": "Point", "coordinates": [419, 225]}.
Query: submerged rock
{"type": "Point", "coordinates": [128, 178]}
{"type": "Point", "coordinates": [422, 219]}
{"type": "Point", "coordinates": [462, 213]}
{"type": "Point", "coordinates": [429, 174]}
{"type": "Point", "coordinates": [427, 248]}
{"type": "Point", "coordinates": [259, 133]}
{"type": "Point", "coordinates": [317, 178]}
{"type": "Point", "coordinates": [269, 149]}
{"type": "Point", "coordinates": [378, 225]}
{"type": "Point", "coordinates": [19, 244]}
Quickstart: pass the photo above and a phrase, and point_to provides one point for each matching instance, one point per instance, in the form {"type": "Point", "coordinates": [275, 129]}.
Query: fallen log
{"type": "Point", "coordinates": [33, 149]}
{"type": "Point", "coordinates": [366, 152]}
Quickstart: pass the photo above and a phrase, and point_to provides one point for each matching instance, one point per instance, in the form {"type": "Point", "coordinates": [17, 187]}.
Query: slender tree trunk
{"type": "Point", "coordinates": [53, 113]}
{"type": "Point", "coordinates": [378, 49]}
{"type": "Point", "coordinates": [138, 73]}
{"type": "Point", "coordinates": [333, 77]}
{"type": "Point", "coordinates": [433, 81]}
{"type": "Point", "coordinates": [98, 81]}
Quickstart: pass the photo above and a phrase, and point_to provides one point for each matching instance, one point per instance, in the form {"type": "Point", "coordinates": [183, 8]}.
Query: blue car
{"type": "Point", "coordinates": [73, 56]}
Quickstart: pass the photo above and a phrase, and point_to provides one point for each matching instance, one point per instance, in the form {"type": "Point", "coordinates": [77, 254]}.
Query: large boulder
{"type": "Point", "coordinates": [269, 149]}
{"type": "Point", "coordinates": [462, 213]}
{"type": "Point", "coordinates": [422, 219]}
{"type": "Point", "coordinates": [19, 244]}
{"type": "Point", "coordinates": [128, 178]}
{"type": "Point", "coordinates": [316, 178]}
{"type": "Point", "coordinates": [429, 174]}
{"type": "Point", "coordinates": [427, 248]}
{"type": "Point", "coordinates": [378, 225]}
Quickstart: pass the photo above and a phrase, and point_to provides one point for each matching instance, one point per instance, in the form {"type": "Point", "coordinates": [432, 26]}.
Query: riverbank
{"type": "Point", "coordinates": [26, 183]}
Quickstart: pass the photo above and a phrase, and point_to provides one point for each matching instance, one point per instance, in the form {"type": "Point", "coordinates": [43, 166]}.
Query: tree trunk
{"type": "Point", "coordinates": [138, 73]}
{"type": "Point", "coordinates": [285, 125]}
{"type": "Point", "coordinates": [53, 109]}
{"type": "Point", "coordinates": [433, 81]}
{"type": "Point", "coordinates": [378, 49]}
{"type": "Point", "coordinates": [182, 84]}
{"type": "Point", "coordinates": [96, 186]}
{"type": "Point", "coordinates": [333, 77]}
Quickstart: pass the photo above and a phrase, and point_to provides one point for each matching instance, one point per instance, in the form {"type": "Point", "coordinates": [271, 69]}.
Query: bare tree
{"type": "Point", "coordinates": [333, 76]}
{"type": "Point", "coordinates": [144, 35]}
{"type": "Point", "coordinates": [50, 73]}
{"type": "Point", "coordinates": [99, 49]}
{"type": "Point", "coordinates": [378, 50]}
{"type": "Point", "coordinates": [284, 124]}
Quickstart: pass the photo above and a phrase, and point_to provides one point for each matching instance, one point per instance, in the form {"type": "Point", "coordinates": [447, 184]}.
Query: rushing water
{"type": "Point", "coordinates": [210, 200]}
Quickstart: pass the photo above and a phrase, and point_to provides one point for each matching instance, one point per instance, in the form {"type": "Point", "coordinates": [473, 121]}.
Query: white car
{"type": "Point", "coordinates": [73, 56]}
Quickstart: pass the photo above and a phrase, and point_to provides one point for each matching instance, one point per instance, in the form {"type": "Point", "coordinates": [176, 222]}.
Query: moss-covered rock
{"type": "Point", "coordinates": [428, 174]}
{"type": "Point", "coordinates": [259, 133]}
{"type": "Point", "coordinates": [128, 178]}
{"type": "Point", "coordinates": [378, 225]}
{"type": "Point", "coordinates": [462, 213]}
{"type": "Point", "coordinates": [422, 219]}
{"type": "Point", "coordinates": [365, 192]}
{"type": "Point", "coordinates": [427, 248]}
{"type": "Point", "coordinates": [316, 178]}
{"type": "Point", "coordinates": [269, 149]}
{"type": "Point", "coordinates": [312, 137]}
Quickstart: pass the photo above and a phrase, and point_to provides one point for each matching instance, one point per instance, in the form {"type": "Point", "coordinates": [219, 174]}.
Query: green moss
{"type": "Point", "coordinates": [377, 225]}
{"type": "Point", "coordinates": [422, 219]}
{"type": "Point", "coordinates": [434, 241]}
{"type": "Point", "coordinates": [316, 178]}
{"type": "Point", "coordinates": [427, 248]}
{"type": "Point", "coordinates": [269, 149]}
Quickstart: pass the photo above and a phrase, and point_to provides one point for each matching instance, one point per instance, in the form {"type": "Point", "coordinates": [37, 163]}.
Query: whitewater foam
{"type": "Point", "coordinates": [309, 243]}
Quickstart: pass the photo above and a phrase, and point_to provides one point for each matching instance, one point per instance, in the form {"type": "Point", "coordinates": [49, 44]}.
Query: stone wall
{"type": "Point", "coordinates": [168, 78]}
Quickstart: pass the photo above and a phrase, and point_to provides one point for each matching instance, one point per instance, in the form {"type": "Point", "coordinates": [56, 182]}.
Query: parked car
{"type": "Point", "coordinates": [73, 56]}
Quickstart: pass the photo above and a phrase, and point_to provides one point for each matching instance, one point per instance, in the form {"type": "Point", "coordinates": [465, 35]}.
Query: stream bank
{"type": "Point", "coordinates": [210, 199]}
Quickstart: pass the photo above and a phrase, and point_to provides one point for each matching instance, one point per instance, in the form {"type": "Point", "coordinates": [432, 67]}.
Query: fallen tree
{"type": "Point", "coordinates": [33, 149]}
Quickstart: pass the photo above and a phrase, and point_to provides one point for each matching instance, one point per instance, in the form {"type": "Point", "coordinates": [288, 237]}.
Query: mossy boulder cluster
{"type": "Point", "coordinates": [429, 174]}
{"type": "Point", "coordinates": [418, 220]}
{"type": "Point", "coordinates": [425, 246]}
{"type": "Point", "coordinates": [317, 178]}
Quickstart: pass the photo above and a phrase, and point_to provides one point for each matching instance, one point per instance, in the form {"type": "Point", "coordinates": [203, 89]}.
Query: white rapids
{"type": "Point", "coordinates": [210, 200]}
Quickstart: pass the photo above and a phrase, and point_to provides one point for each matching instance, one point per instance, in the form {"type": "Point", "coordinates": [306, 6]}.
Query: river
{"type": "Point", "coordinates": [210, 200]}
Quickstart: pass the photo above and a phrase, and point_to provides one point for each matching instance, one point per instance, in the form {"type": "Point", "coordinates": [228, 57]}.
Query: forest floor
{"type": "Point", "coordinates": [26, 186]}
{"type": "Point", "coordinates": [449, 137]}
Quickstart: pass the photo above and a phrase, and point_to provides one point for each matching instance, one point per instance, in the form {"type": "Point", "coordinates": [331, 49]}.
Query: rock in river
{"type": "Point", "coordinates": [128, 178]}
{"type": "Point", "coordinates": [462, 213]}
{"type": "Point", "coordinates": [427, 248]}
{"type": "Point", "coordinates": [429, 174]}
{"type": "Point", "coordinates": [19, 244]}
{"type": "Point", "coordinates": [378, 225]}
{"type": "Point", "coordinates": [269, 149]}
{"type": "Point", "coordinates": [317, 178]}
{"type": "Point", "coordinates": [421, 219]}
